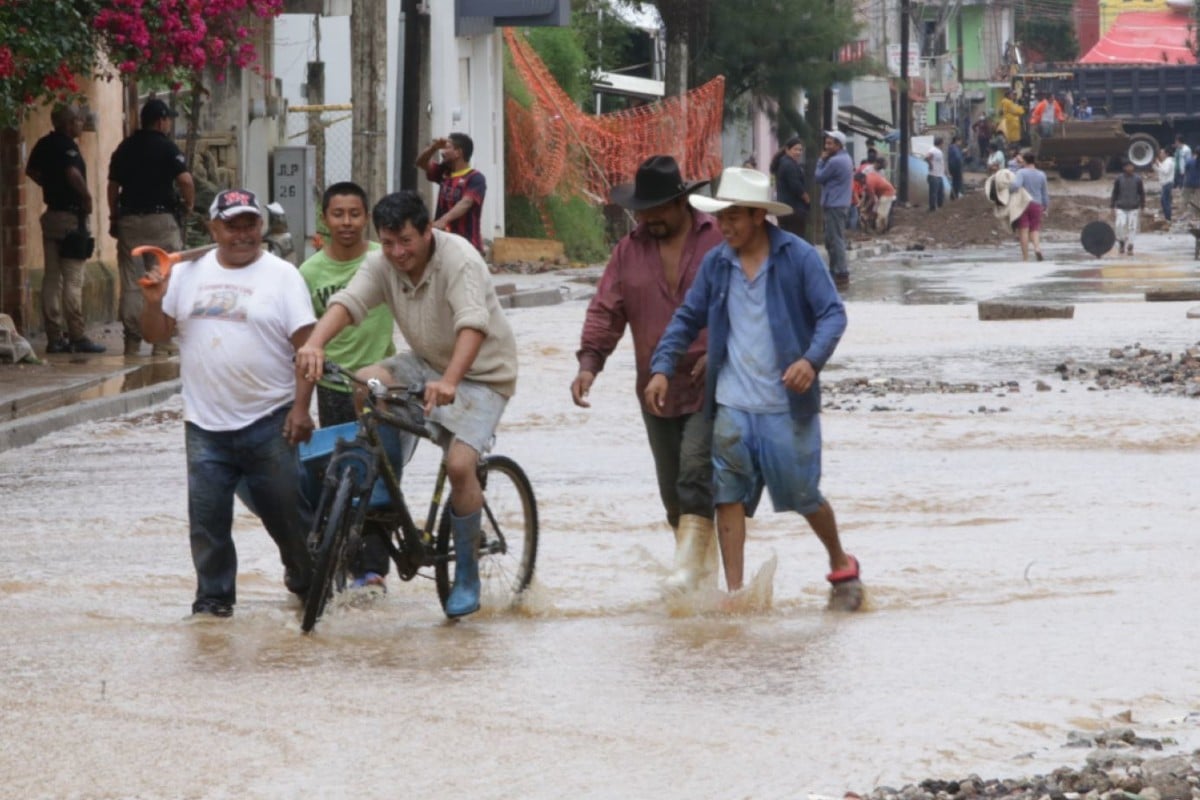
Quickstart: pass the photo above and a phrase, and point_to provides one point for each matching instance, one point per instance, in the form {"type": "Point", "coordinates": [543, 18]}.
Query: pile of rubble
{"type": "Point", "coordinates": [1115, 770]}
{"type": "Point", "coordinates": [1156, 371]}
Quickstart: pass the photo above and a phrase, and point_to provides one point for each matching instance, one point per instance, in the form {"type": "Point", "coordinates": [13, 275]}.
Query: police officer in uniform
{"type": "Point", "coordinates": [56, 165]}
{"type": "Point", "coordinates": [145, 171]}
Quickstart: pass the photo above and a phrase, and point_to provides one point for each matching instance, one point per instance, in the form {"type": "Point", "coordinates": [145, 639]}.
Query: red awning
{"type": "Point", "coordinates": [1144, 37]}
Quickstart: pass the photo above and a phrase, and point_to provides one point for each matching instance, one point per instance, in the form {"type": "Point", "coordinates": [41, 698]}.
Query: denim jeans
{"type": "Point", "coordinates": [682, 448]}
{"type": "Point", "coordinates": [835, 239]}
{"type": "Point", "coordinates": [1165, 197]}
{"type": "Point", "coordinates": [937, 192]}
{"type": "Point", "coordinates": [217, 461]}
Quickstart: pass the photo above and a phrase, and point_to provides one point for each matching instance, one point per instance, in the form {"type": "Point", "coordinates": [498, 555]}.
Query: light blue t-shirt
{"type": "Point", "coordinates": [1033, 181]}
{"type": "Point", "coordinates": [750, 379]}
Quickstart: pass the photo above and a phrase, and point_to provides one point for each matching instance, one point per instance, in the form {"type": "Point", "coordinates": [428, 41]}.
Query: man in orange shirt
{"type": "Point", "coordinates": [878, 195]}
{"type": "Point", "coordinates": [1046, 115]}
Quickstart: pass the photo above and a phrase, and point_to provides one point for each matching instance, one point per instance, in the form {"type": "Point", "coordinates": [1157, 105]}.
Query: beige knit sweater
{"type": "Point", "coordinates": [455, 292]}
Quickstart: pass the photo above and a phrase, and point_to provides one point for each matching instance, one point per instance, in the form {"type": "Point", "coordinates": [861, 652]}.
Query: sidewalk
{"type": "Point", "coordinates": [69, 389]}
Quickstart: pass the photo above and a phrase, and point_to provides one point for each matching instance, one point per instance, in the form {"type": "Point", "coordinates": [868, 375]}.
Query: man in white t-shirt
{"type": "Point", "coordinates": [239, 314]}
{"type": "Point", "coordinates": [937, 174]}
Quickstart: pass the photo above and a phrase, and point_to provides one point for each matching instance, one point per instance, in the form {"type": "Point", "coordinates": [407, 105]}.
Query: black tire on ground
{"type": "Point", "coordinates": [508, 544]}
{"type": "Point", "coordinates": [1070, 173]}
{"type": "Point", "coordinates": [335, 530]}
{"type": "Point", "coordinates": [1141, 150]}
{"type": "Point", "coordinates": [1095, 168]}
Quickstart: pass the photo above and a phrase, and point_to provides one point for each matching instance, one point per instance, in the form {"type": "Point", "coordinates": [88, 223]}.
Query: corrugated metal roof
{"type": "Point", "coordinates": [1144, 37]}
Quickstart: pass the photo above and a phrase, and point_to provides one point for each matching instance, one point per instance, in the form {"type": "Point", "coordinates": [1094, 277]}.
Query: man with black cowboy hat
{"type": "Point", "coordinates": [646, 279]}
{"type": "Point", "coordinates": [143, 175]}
{"type": "Point", "coordinates": [773, 319]}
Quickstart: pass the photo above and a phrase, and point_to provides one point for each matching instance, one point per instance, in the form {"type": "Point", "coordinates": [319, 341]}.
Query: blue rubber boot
{"type": "Point", "coordinates": [464, 597]}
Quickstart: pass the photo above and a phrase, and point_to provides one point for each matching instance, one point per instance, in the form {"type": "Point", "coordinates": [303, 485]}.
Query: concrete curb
{"type": "Point", "coordinates": [27, 430]}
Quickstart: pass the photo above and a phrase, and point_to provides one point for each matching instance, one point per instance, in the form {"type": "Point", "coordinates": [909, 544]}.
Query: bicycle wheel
{"type": "Point", "coordinates": [509, 535]}
{"type": "Point", "coordinates": [328, 553]}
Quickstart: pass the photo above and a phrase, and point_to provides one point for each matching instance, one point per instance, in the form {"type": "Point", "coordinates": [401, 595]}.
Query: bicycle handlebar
{"type": "Point", "coordinates": [409, 400]}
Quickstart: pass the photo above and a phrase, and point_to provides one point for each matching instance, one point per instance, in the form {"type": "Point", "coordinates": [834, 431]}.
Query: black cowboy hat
{"type": "Point", "coordinates": [657, 181]}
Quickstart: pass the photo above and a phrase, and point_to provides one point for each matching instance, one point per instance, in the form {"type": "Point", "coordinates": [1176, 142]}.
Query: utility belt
{"type": "Point", "coordinates": [145, 211]}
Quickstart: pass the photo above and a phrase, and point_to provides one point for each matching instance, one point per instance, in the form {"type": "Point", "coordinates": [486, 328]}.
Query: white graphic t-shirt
{"type": "Point", "coordinates": [234, 328]}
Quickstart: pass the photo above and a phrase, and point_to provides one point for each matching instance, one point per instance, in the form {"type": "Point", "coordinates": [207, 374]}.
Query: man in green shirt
{"type": "Point", "coordinates": [327, 272]}
{"type": "Point", "coordinates": [344, 209]}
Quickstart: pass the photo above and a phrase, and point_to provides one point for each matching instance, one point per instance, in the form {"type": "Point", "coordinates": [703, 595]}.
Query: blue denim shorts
{"type": "Point", "coordinates": [752, 450]}
{"type": "Point", "coordinates": [473, 416]}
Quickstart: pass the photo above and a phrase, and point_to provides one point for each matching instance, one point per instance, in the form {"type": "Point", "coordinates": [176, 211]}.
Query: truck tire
{"type": "Point", "coordinates": [1095, 168]}
{"type": "Point", "coordinates": [1141, 150]}
{"type": "Point", "coordinates": [1072, 173]}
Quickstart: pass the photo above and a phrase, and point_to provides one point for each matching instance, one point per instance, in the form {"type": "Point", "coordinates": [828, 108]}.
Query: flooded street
{"type": "Point", "coordinates": [1029, 555]}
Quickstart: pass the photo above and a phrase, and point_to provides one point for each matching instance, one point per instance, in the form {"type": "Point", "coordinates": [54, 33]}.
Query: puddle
{"type": "Point", "coordinates": [58, 397]}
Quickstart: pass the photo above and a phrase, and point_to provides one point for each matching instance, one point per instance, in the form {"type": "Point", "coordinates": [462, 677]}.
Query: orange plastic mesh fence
{"type": "Point", "coordinates": [554, 148]}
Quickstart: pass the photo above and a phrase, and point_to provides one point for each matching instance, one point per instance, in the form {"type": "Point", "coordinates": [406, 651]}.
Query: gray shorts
{"type": "Point", "coordinates": [473, 416]}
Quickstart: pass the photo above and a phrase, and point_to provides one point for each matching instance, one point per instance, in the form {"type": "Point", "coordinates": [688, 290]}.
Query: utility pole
{"type": "Point", "coordinates": [314, 95]}
{"type": "Point", "coordinates": [368, 92]}
{"type": "Point", "coordinates": [410, 104]}
{"type": "Point", "coordinates": [905, 114]}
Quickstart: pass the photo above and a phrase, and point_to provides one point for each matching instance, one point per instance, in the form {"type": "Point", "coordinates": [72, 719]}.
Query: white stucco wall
{"type": "Point", "coordinates": [465, 91]}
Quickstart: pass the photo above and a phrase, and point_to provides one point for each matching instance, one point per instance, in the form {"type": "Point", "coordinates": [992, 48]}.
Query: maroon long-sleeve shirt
{"type": "Point", "coordinates": [634, 291]}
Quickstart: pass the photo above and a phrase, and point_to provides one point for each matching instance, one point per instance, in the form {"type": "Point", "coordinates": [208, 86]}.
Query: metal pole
{"type": "Point", "coordinates": [368, 84]}
{"type": "Point", "coordinates": [905, 114]}
{"type": "Point", "coordinates": [411, 80]}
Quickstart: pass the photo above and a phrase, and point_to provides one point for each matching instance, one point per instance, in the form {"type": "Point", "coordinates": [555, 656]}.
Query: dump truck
{"type": "Point", "coordinates": [1136, 109]}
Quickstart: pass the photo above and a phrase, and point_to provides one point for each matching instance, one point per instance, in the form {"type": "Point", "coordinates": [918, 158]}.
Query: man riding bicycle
{"type": "Point", "coordinates": [440, 294]}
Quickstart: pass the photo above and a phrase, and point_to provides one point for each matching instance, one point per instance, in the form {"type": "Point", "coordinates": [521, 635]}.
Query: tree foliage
{"type": "Point", "coordinates": [1045, 29]}
{"type": "Point", "coordinates": [181, 39]}
{"type": "Point", "coordinates": [47, 46]}
{"type": "Point", "coordinates": [44, 46]}
{"type": "Point", "coordinates": [774, 48]}
{"type": "Point", "coordinates": [563, 54]}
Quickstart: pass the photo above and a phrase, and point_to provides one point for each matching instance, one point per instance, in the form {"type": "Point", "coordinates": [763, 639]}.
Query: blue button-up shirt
{"type": "Point", "coordinates": [806, 316]}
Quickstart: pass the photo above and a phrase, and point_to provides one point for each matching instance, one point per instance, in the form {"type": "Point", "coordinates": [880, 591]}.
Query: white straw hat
{"type": "Point", "coordinates": [738, 186]}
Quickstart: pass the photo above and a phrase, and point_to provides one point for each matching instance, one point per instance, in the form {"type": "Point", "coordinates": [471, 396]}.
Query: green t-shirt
{"type": "Point", "coordinates": [357, 345]}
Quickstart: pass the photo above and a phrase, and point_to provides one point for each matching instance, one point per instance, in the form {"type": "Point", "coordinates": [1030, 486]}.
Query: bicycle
{"type": "Point", "coordinates": [360, 487]}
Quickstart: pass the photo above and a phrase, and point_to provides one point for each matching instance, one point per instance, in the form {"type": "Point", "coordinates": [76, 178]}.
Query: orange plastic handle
{"type": "Point", "coordinates": [165, 261]}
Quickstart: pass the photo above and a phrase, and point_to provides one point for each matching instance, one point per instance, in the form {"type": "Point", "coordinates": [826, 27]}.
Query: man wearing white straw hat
{"type": "Point", "coordinates": [773, 319]}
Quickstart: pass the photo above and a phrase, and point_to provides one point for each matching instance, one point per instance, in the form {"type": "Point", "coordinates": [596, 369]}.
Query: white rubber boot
{"type": "Point", "coordinates": [695, 554]}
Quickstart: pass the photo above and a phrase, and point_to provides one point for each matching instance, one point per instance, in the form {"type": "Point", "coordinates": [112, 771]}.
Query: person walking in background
{"type": "Point", "coordinates": [56, 165]}
{"type": "Point", "coordinates": [787, 167]}
{"type": "Point", "coordinates": [646, 279]}
{"type": "Point", "coordinates": [240, 314]}
{"type": "Point", "coordinates": [773, 319]}
{"type": "Point", "coordinates": [1127, 201]}
{"type": "Point", "coordinates": [1164, 170]}
{"type": "Point", "coordinates": [461, 188]}
{"type": "Point", "coordinates": [1029, 224]}
{"type": "Point", "coordinates": [955, 162]}
{"type": "Point", "coordinates": [835, 174]}
{"type": "Point", "coordinates": [148, 186]}
{"type": "Point", "coordinates": [937, 174]}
